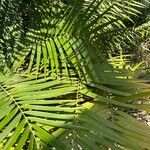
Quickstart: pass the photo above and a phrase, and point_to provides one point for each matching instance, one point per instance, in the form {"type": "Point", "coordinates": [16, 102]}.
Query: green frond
{"type": "Point", "coordinates": [37, 113]}
{"type": "Point", "coordinates": [89, 22]}
{"type": "Point", "coordinates": [57, 88]}
{"type": "Point", "coordinates": [28, 106]}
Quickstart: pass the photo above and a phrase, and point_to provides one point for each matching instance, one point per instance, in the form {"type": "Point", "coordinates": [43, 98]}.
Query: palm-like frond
{"type": "Point", "coordinates": [34, 113]}
{"type": "Point", "coordinates": [94, 22]}
{"type": "Point", "coordinates": [103, 132]}
{"type": "Point", "coordinates": [32, 109]}
{"type": "Point", "coordinates": [80, 96]}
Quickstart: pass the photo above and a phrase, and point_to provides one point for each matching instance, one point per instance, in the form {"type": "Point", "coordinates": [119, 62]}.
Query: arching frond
{"type": "Point", "coordinates": [65, 95]}
{"type": "Point", "coordinates": [39, 27]}
{"type": "Point", "coordinates": [36, 113]}
{"type": "Point", "coordinates": [33, 109]}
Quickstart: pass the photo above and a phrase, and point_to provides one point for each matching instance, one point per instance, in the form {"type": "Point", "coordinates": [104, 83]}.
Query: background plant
{"type": "Point", "coordinates": [57, 89]}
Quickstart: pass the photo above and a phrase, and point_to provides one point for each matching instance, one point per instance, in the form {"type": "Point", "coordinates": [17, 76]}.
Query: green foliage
{"type": "Point", "coordinates": [57, 89]}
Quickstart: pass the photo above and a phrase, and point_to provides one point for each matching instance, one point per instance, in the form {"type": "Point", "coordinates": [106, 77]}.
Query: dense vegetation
{"type": "Point", "coordinates": [66, 80]}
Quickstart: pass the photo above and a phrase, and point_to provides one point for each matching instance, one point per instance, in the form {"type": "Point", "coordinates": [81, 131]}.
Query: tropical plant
{"type": "Point", "coordinates": [57, 89]}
